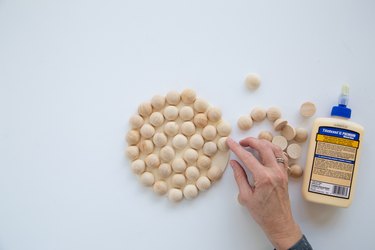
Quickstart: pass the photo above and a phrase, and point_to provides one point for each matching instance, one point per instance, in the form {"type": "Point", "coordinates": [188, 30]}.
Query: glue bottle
{"type": "Point", "coordinates": [333, 155]}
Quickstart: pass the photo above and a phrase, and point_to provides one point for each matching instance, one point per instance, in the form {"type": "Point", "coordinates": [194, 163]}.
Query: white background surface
{"type": "Point", "coordinates": [72, 72]}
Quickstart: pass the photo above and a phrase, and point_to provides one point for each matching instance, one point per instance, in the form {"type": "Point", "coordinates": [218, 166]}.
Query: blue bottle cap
{"type": "Point", "coordinates": [342, 110]}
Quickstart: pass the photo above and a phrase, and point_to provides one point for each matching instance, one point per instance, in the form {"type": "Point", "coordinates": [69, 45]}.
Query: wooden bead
{"type": "Point", "coordinates": [214, 173]}
{"type": "Point", "coordinates": [209, 148]}
{"type": "Point", "coordinates": [294, 151]}
{"type": "Point", "coordinates": [203, 162]}
{"type": "Point", "coordinates": [132, 152]}
{"type": "Point", "coordinates": [173, 98]}
{"type": "Point", "coordinates": [265, 135]}
{"type": "Point", "coordinates": [222, 144]}
{"type": "Point", "coordinates": [156, 119]}
{"type": "Point", "coordinates": [178, 180]}
{"type": "Point", "coordinates": [213, 114]}
{"type": "Point", "coordinates": [203, 183]}
{"type": "Point", "coordinates": [200, 120]}
{"type": "Point", "coordinates": [136, 121]}
{"type": "Point", "coordinates": [158, 102]}
{"type": "Point", "coordinates": [192, 173]}
{"type": "Point", "coordinates": [196, 141]}
{"type": "Point", "coordinates": [147, 179]}
{"type": "Point", "coordinates": [179, 141]}
{"type": "Point", "coordinates": [223, 128]}
{"type": "Point", "coordinates": [160, 139]}
{"type": "Point", "coordinates": [190, 155]}
{"type": "Point", "coordinates": [209, 132]}
{"type": "Point", "coordinates": [273, 114]}
{"type": "Point", "coordinates": [295, 170]}
{"type": "Point", "coordinates": [307, 109]}
{"type": "Point", "coordinates": [252, 81]}
{"type": "Point", "coordinates": [280, 141]}
{"type": "Point", "coordinates": [186, 113]}
{"type": "Point", "coordinates": [166, 154]}
{"type": "Point", "coordinates": [171, 128]}
{"type": "Point", "coordinates": [152, 161]}
{"type": "Point", "coordinates": [170, 113]}
{"type": "Point", "coordinates": [244, 122]}
{"type": "Point", "coordinates": [190, 191]}
{"type": "Point", "coordinates": [279, 124]}
{"type": "Point", "coordinates": [175, 195]}
{"type": "Point", "coordinates": [187, 128]}
{"type": "Point", "coordinates": [288, 132]}
{"type": "Point", "coordinates": [132, 137]}
{"type": "Point", "coordinates": [145, 109]}
{"type": "Point", "coordinates": [178, 165]}
{"type": "Point", "coordinates": [147, 131]}
{"type": "Point", "coordinates": [188, 96]}
{"type": "Point", "coordinates": [165, 170]}
{"type": "Point", "coordinates": [160, 187]}
{"type": "Point", "coordinates": [258, 114]}
{"type": "Point", "coordinates": [301, 135]}
{"type": "Point", "coordinates": [146, 146]}
{"type": "Point", "coordinates": [200, 105]}
{"type": "Point", "coordinates": [138, 166]}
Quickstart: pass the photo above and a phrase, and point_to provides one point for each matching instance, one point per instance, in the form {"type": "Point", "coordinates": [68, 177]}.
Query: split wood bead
{"type": "Point", "coordinates": [294, 151]}
{"type": "Point", "coordinates": [222, 144]}
{"type": "Point", "coordinates": [214, 173]}
{"type": "Point", "coordinates": [190, 155]}
{"type": "Point", "coordinates": [209, 148]}
{"type": "Point", "coordinates": [152, 161]}
{"type": "Point", "coordinates": [147, 131]}
{"type": "Point", "coordinates": [165, 170]}
{"type": "Point", "coordinates": [158, 102]}
{"type": "Point", "coordinates": [192, 173]}
{"type": "Point", "coordinates": [160, 187]}
{"type": "Point", "coordinates": [203, 162]}
{"type": "Point", "coordinates": [203, 183]}
{"type": "Point", "coordinates": [279, 124]}
{"type": "Point", "coordinates": [147, 179]}
{"type": "Point", "coordinates": [178, 165]}
{"type": "Point", "coordinates": [196, 141]}
{"type": "Point", "coordinates": [273, 114]}
{"type": "Point", "coordinates": [170, 113]}
{"type": "Point", "coordinates": [200, 105]}
{"type": "Point", "coordinates": [295, 170]}
{"type": "Point", "coordinates": [252, 81]}
{"type": "Point", "coordinates": [146, 146]}
{"type": "Point", "coordinates": [301, 135]}
{"type": "Point", "coordinates": [258, 114]}
{"type": "Point", "coordinates": [209, 132]}
{"type": "Point", "coordinates": [188, 128]}
{"type": "Point", "coordinates": [173, 98]}
{"type": "Point", "coordinates": [190, 191]}
{"type": "Point", "coordinates": [188, 96]}
{"type": "Point", "coordinates": [179, 141]}
{"type": "Point", "coordinates": [136, 121]}
{"type": "Point", "coordinates": [214, 114]}
{"type": "Point", "coordinates": [280, 141]}
{"type": "Point", "coordinates": [178, 180]}
{"type": "Point", "coordinates": [171, 128]}
{"type": "Point", "coordinates": [145, 109]}
{"type": "Point", "coordinates": [132, 152]}
{"type": "Point", "coordinates": [175, 195]}
{"type": "Point", "coordinates": [288, 132]}
{"type": "Point", "coordinates": [200, 120]}
{"type": "Point", "coordinates": [138, 166]}
{"type": "Point", "coordinates": [265, 135]}
{"type": "Point", "coordinates": [186, 113]}
{"type": "Point", "coordinates": [166, 154]}
{"type": "Point", "coordinates": [223, 128]}
{"type": "Point", "coordinates": [245, 122]}
{"type": "Point", "coordinates": [307, 109]}
{"type": "Point", "coordinates": [160, 139]}
{"type": "Point", "coordinates": [132, 137]}
{"type": "Point", "coordinates": [156, 119]}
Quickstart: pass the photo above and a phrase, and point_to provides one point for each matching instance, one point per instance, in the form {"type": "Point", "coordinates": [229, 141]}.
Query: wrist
{"type": "Point", "coordinates": [287, 237]}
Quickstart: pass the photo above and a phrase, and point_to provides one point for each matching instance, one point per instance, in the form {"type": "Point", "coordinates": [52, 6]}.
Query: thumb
{"type": "Point", "coordinates": [244, 188]}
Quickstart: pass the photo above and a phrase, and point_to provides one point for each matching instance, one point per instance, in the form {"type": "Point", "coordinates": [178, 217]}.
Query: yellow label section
{"type": "Point", "coordinates": [336, 140]}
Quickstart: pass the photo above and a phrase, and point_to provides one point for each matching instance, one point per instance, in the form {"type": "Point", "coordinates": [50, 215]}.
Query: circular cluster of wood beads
{"type": "Point", "coordinates": [177, 144]}
{"type": "Point", "coordinates": [288, 139]}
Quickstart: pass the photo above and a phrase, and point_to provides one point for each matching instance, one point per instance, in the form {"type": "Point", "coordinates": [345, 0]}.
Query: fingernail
{"type": "Point", "coordinates": [229, 139]}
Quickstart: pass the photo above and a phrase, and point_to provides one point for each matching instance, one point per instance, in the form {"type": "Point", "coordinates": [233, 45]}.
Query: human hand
{"type": "Point", "coordinates": [267, 199]}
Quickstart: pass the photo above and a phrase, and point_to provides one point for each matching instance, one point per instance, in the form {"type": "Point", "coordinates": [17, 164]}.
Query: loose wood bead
{"type": "Point", "coordinates": [203, 183]}
{"type": "Point", "coordinates": [280, 141]}
{"type": "Point", "coordinates": [186, 113]}
{"type": "Point", "coordinates": [188, 128]}
{"type": "Point", "coordinates": [192, 173]}
{"type": "Point", "coordinates": [175, 195]}
{"type": "Point", "coordinates": [152, 161]}
{"type": "Point", "coordinates": [295, 170]}
{"type": "Point", "coordinates": [147, 131]}
{"type": "Point", "coordinates": [222, 144]}
{"type": "Point", "coordinates": [214, 173]}
{"type": "Point", "coordinates": [273, 114]}
{"type": "Point", "coordinates": [145, 109]}
{"type": "Point", "coordinates": [147, 179]}
{"type": "Point", "coordinates": [266, 135]}
{"type": "Point", "coordinates": [190, 191]}
{"type": "Point", "coordinates": [258, 114]}
{"type": "Point", "coordinates": [196, 141]}
{"type": "Point", "coordinates": [171, 128]}
{"type": "Point", "coordinates": [132, 137]}
{"type": "Point", "coordinates": [214, 114]}
{"type": "Point", "coordinates": [294, 151]}
{"type": "Point", "coordinates": [160, 187]}
{"type": "Point", "coordinates": [200, 105]}
{"type": "Point", "coordinates": [203, 162]}
{"type": "Point", "coordinates": [167, 154]}
{"type": "Point", "coordinates": [288, 132]}
{"type": "Point", "coordinates": [209, 148]}
{"type": "Point", "coordinates": [188, 96]}
{"type": "Point", "coordinates": [190, 155]}
{"type": "Point", "coordinates": [170, 113]}
{"type": "Point", "coordinates": [307, 109]}
{"type": "Point", "coordinates": [200, 120]}
{"type": "Point", "coordinates": [223, 128]}
{"type": "Point", "coordinates": [301, 135]}
{"type": "Point", "coordinates": [279, 124]}
{"type": "Point", "coordinates": [160, 139]}
{"type": "Point", "coordinates": [178, 165]}
{"type": "Point", "coordinates": [252, 81]}
{"type": "Point", "coordinates": [138, 166]}
{"type": "Point", "coordinates": [244, 122]}
{"type": "Point", "coordinates": [156, 119]}
{"type": "Point", "coordinates": [158, 102]}
{"type": "Point", "coordinates": [179, 141]}
{"type": "Point", "coordinates": [178, 180]}
{"type": "Point", "coordinates": [132, 152]}
{"type": "Point", "coordinates": [209, 132]}
{"type": "Point", "coordinates": [165, 170]}
{"type": "Point", "coordinates": [146, 147]}
{"type": "Point", "coordinates": [173, 98]}
{"type": "Point", "coordinates": [136, 121]}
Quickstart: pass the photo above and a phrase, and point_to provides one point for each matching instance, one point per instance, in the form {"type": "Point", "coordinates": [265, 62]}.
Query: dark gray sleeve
{"type": "Point", "coordinates": [302, 244]}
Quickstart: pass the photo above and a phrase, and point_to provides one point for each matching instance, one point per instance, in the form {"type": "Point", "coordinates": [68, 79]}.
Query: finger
{"type": "Point", "coordinates": [246, 157]}
{"type": "Point", "coordinates": [263, 147]}
{"type": "Point", "coordinates": [280, 153]}
{"type": "Point", "coordinates": [244, 188]}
